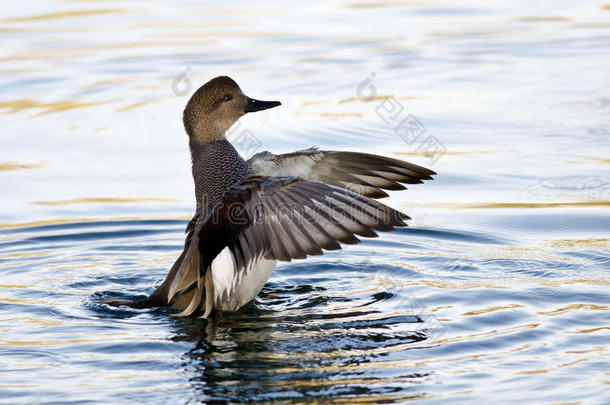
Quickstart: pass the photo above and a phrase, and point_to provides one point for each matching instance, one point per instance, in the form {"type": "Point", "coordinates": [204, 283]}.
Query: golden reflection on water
{"type": "Point", "coordinates": [542, 19]}
{"type": "Point", "coordinates": [492, 309]}
{"type": "Point", "coordinates": [589, 243]}
{"type": "Point", "coordinates": [27, 254]}
{"type": "Point", "coordinates": [507, 283]}
{"type": "Point", "coordinates": [340, 115]}
{"type": "Point", "coordinates": [136, 105]}
{"type": "Point", "coordinates": [33, 321]}
{"type": "Point", "coordinates": [12, 165]}
{"type": "Point", "coordinates": [26, 104]}
{"type": "Point", "coordinates": [516, 205]}
{"type": "Point", "coordinates": [452, 153]}
{"type": "Point", "coordinates": [25, 301]}
{"type": "Point", "coordinates": [54, 342]}
{"type": "Point", "coordinates": [77, 220]}
{"type": "Point", "coordinates": [96, 200]}
{"type": "Point", "coordinates": [65, 14]}
{"type": "Point", "coordinates": [575, 307]}
{"type": "Point", "coordinates": [591, 330]}
{"type": "Point", "coordinates": [379, 97]}
{"type": "Point", "coordinates": [549, 370]}
{"type": "Point", "coordinates": [376, 4]}
{"type": "Point", "coordinates": [489, 333]}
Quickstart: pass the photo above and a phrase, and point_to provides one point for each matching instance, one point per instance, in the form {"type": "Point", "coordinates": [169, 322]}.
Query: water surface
{"type": "Point", "coordinates": [497, 292]}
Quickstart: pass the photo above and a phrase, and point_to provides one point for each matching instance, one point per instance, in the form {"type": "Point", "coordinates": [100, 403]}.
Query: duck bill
{"type": "Point", "coordinates": [258, 105]}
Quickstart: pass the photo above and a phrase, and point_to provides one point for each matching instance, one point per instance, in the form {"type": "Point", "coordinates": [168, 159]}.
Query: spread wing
{"type": "Point", "coordinates": [363, 173]}
{"type": "Point", "coordinates": [281, 218]}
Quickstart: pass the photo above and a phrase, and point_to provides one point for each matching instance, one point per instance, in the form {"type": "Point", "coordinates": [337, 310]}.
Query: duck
{"type": "Point", "coordinates": [253, 213]}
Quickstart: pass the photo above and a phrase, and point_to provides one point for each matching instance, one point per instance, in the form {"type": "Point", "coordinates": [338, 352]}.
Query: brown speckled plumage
{"type": "Point", "coordinates": [216, 168]}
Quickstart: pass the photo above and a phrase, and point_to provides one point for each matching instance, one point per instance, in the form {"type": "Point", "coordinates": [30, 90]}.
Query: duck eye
{"type": "Point", "coordinates": [228, 97]}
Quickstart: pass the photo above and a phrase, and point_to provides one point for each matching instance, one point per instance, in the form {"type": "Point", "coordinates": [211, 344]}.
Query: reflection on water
{"type": "Point", "coordinates": [420, 314]}
{"type": "Point", "coordinates": [301, 353]}
{"type": "Point", "coordinates": [498, 290]}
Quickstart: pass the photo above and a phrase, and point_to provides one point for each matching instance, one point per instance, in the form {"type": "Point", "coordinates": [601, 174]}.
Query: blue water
{"type": "Point", "coordinates": [497, 292]}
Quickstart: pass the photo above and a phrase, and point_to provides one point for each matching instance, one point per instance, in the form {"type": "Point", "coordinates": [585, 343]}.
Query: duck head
{"type": "Point", "coordinates": [215, 106]}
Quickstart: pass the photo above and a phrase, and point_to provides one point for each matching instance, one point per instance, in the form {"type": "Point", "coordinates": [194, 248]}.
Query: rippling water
{"type": "Point", "coordinates": [497, 292]}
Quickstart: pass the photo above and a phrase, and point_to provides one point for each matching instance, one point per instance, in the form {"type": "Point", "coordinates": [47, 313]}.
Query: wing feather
{"type": "Point", "coordinates": [363, 173]}
{"type": "Point", "coordinates": [276, 218]}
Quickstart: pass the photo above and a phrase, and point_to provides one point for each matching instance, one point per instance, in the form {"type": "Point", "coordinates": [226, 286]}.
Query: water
{"type": "Point", "coordinates": [497, 292]}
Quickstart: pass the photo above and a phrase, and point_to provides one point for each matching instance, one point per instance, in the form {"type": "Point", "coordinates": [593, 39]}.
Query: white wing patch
{"type": "Point", "coordinates": [223, 274]}
{"type": "Point", "coordinates": [251, 283]}
{"type": "Point", "coordinates": [299, 166]}
{"type": "Point", "coordinates": [232, 288]}
{"type": "Point", "coordinates": [267, 164]}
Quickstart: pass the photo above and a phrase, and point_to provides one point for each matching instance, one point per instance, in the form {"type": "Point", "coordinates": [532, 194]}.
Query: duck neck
{"type": "Point", "coordinates": [216, 167]}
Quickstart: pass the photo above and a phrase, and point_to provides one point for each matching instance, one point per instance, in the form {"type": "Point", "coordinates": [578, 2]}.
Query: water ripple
{"type": "Point", "coordinates": [497, 292]}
